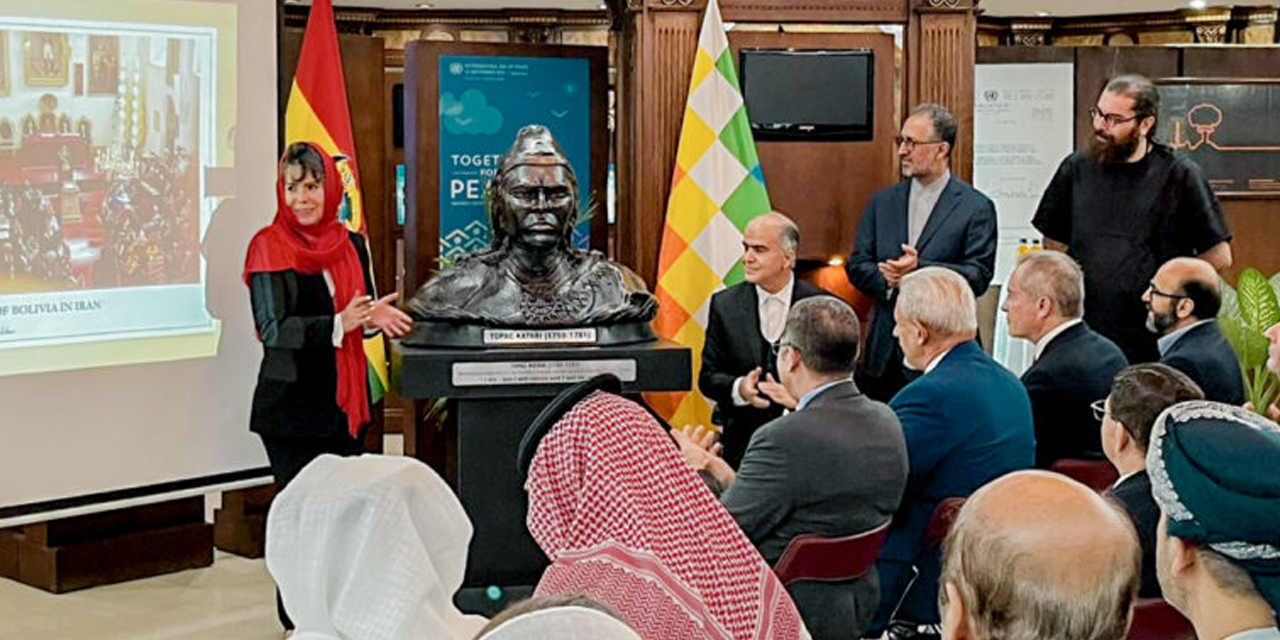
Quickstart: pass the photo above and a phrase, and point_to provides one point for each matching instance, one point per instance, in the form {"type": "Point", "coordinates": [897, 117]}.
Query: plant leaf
{"type": "Point", "coordinates": [1230, 304]}
{"type": "Point", "coordinates": [1257, 300]}
{"type": "Point", "coordinates": [1249, 344]}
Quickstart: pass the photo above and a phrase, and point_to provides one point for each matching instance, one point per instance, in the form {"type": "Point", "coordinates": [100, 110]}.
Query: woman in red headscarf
{"type": "Point", "coordinates": [309, 285]}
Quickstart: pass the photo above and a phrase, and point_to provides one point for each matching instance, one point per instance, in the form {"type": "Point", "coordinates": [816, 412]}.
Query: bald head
{"type": "Point", "coordinates": [1195, 279]}
{"type": "Point", "coordinates": [1037, 556]}
{"type": "Point", "coordinates": [787, 233]}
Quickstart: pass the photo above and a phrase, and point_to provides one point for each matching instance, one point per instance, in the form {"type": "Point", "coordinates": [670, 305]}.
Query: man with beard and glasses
{"type": "Point", "coordinates": [1126, 205]}
{"type": "Point", "coordinates": [1182, 308]}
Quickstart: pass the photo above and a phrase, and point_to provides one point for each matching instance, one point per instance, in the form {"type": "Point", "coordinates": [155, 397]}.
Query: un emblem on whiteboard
{"type": "Point", "coordinates": [455, 68]}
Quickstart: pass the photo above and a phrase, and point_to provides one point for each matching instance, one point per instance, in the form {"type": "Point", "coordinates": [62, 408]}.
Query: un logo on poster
{"type": "Point", "coordinates": [455, 68]}
{"type": "Point", "coordinates": [991, 95]}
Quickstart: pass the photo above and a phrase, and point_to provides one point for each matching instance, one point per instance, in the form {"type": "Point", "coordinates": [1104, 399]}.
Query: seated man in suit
{"type": "Point", "coordinates": [1035, 555]}
{"type": "Point", "coordinates": [744, 323]}
{"type": "Point", "coordinates": [933, 219]}
{"type": "Point", "coordinates": [834, 467]}
{"type": "Point", "coordinates": [967, 420]}
{"type": "Point", "coordinates": [1182, 308]}
{"type": "Point", "coordinates": [1073, 365]}
{"type": "Point", "coordinates": [1139, 394]}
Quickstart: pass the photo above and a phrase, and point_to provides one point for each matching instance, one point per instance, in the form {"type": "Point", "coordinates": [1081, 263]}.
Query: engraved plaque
{"type": "Point", "coordinates": [525, 337]}
{"type": "Point", "coordinates": [475, 374]}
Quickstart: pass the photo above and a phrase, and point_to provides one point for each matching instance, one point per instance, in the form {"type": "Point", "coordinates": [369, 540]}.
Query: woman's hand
{"type": "Point", "coordinates": [356, 314]}
{"type": "Point", "coordinates": [389, 319]}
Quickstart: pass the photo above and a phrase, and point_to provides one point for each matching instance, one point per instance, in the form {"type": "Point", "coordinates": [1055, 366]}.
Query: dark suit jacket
{"type": "Point", "coordinates": [1134, 494]}
{"type": "Point", "coordinates": [960, 235]}
{"type": "Point", "coordinates": [1204, 354]}
{"type": "Point", "coordinates": [966, 422]}
{"type": "Point", "coordinates": [834, 468]}
{"type": "Point", "coordinates": [1076, 368]}
{"type": "Point", "coordinates": [733, 348]}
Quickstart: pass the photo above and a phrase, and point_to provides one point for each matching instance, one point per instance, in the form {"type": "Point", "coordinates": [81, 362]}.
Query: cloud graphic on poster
{"type": "Point", "coordinates": [470, 114]}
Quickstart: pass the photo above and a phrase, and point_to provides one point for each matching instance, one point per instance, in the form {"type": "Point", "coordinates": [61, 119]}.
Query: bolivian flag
{"type": "Point", "coordinates": [318, 113]}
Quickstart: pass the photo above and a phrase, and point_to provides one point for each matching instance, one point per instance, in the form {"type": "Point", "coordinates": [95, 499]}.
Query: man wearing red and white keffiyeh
{"type": "Point", "coordinates": [626, 522]}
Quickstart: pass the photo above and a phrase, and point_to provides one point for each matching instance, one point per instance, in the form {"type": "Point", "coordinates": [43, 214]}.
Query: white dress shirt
{"type": "Point", "coordinates": [772, 310]}
{"type": "Point", "coordinates": [921, 200]}
{"type": "Point", "coordinates": [1053, 333]}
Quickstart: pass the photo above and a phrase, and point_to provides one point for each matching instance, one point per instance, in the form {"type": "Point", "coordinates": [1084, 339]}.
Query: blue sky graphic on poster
{"type": "Point", "coordinates": [484, 100]}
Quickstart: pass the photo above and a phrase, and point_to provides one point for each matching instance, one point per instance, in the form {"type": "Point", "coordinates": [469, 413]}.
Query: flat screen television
{"type": "Point", "coordinates": [809, 95]}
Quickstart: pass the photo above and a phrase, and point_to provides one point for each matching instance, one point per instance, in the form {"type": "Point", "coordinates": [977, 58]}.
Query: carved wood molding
{"type": "Point", "coordinates": [867, 11]}
{"type": "Point", "coordinates": [1213, 26]}
{"type": "Point", "coordinates": [932, 6]}
{"type": "Point", "coordinates": [366, 21]}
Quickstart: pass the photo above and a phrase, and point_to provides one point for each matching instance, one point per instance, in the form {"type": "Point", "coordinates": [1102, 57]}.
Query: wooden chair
{"type": "Point", "coordinates": [1155, 619]}
{"type": "Point", "coordinates": [813, 557]}
{"type": "Point", "coordinates": [1098, 475]}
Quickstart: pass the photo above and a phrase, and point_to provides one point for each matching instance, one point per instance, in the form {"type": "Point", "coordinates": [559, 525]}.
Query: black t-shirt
{"type": "Point", "coordinates": [1121, 222]}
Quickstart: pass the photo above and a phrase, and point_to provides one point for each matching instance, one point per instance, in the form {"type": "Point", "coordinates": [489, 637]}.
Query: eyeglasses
{"type": "Point", "coordinates": [1099, 409]}
{"type": "Point", "coordinates": [1151, 286]}
{"type": "Point", "coordinates": [1112, 119]}
{"type": "Point", "coordinates": [898, 141]}
{"type": "Point", "coordinates": [776, 348]}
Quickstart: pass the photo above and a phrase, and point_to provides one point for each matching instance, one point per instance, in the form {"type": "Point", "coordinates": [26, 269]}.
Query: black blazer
{"type": "Point", "coordinates": [834, 468]}
{"type": "Point", "coordinates": [1134, 494]}
{"type": "Point", "coordinates": [960, 235]}
{"type": "Point", "coordinates": [734, 347]}
{"type": "Point", "coordinates": [1204, 354]}
{"type": "Point", "coordinates": [1076, 368]}
{"type": "Point", "coordinates": [296, 394]}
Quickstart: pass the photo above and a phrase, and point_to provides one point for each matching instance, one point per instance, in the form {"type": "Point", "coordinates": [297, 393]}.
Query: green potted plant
{"type": "Point", "coordinates": [1249, 309]}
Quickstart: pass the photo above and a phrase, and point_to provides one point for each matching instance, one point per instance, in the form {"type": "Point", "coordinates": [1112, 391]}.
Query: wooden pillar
{"type": "Point", "coordinates": [658, 39]}
{"type": "Point", "coordinates": [941, 53]}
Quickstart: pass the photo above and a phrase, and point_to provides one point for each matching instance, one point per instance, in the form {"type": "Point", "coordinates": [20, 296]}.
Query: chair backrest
{"type": "Point", "coordinates": [813, 557]}
{"type": "Point", "coordinates": [1098, 475]}
{"type": "Point", "coordinates": [1155, 619]}
{"type": "Point", "coordinates": [940, 522]}
{"type": "Point", "coordinates": [988, 306]}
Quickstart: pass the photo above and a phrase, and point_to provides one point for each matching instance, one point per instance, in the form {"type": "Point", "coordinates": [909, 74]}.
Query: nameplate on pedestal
{"type": "Point", "coordinates": [523, 337]}
{"type": "Point", "coordinates": [476, 374]}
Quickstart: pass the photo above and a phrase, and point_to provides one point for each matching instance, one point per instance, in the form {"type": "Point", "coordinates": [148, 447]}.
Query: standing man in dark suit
{"type": "Point", "coordinates": [1074, 365]}
{"type": "Point", "coordinates": [834, 467]}
{"type": "Point", "coordinates": [1139, 394]}
{"type": "Point", "coordinates": [967, 420]}
{"type": "Point", "coordinates": [744, 323]}
{"type": "Point", "coordinates": [1182, 308]}
{"type": "Point", "coordinates": [932, 219]}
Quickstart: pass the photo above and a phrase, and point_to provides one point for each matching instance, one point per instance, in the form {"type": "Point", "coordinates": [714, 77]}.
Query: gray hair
{"type": "Point", "coordinates": [1054, 275]}
{"type": "Point", "coordinates": [944, 124]}
{"type": "Point", "coordinates": [939, 299]}
{"type": "Point", "coordinates": [788, 231]}
{"type": "Point", "coordinates": [825, 331]}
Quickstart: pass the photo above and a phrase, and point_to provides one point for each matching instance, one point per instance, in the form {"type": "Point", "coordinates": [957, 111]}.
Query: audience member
{"type": "Point", "coordinates": [1213, 473]}
{"type": "Point", "coordinates": [1073, 364]}
{"type": "Point", "coordinates": [934, 219]}
{"type": "Point", "coordinates": [745, 321]}
{"type": "Point", "coordinates": [370, 548]}
{"type": "Point", "coordinates": [1138, 395]}
{"type": "Point", "coordinates": [562, 617]}
{"type": "Point", "coordinates": [1038, 556]}
{"type": "Point", "coordinates": [834, 467]}
{"type": "Point", "coordinates": [1125, 205]}
{"type": "Point", "coordinates": [625, 522]}
{"type": "Point", "coordinates": [967, 420]}
{"type": "Point", "coordinates": [1182, 308]}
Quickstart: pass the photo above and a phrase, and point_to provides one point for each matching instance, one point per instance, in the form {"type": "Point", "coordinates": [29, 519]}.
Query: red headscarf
{"type": "Point", "coordinates": [626, 522]}
{"type": "Point", "coordinates": [286, 245]}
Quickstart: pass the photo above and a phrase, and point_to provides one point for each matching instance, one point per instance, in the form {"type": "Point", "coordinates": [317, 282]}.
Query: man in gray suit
{"type": "Point", "coordinates": [834, 467]}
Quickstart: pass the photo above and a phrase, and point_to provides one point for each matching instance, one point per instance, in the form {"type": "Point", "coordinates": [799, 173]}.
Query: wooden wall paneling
{"type": "Point", "coordinates": [659, 47]}
{"type": "Point", "coordinates": [942, 49]}
{"type": "Point", "coordinates": [864, 11]}
{"type": "Point", "coordinates": [1231, 62]}
{"type": "Point", "coordinates": [1095, 65]}
{"type": "Point", "coordinates": [824, 186]}
{"type": "Point", "coordinates": [1253, 228]}
{"type": "Point", "coordinates": [1025, 54]}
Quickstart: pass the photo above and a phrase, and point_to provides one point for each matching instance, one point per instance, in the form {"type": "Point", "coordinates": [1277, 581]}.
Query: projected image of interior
{"type": "Point", "coordinates": [103, 131]}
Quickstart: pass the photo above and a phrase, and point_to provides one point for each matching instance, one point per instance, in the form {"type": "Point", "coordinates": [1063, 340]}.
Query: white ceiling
{"type": "Point", "coordinates": [990, 7]}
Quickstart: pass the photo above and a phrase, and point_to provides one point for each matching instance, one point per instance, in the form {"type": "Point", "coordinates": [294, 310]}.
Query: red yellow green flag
{"type": "Point", "coordinates": [318, 113]}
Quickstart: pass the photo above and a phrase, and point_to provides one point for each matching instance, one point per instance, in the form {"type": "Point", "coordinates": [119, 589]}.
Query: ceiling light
{"type": "Point", "coordinates": [1042, 14]}
{"type": "Point", "coordinates": [425, 5]}
{"type": "Point", "coordinates": [604, 7]}
{"type": "Point", "coordinates": [1197, 4]}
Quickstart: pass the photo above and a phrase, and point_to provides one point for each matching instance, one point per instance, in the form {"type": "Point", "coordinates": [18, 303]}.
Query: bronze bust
{"type": "Point", "coordinates": [531, 276]}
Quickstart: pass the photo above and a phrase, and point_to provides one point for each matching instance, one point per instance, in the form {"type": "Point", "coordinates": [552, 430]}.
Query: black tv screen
{"type": "Point", "coordinates": [809, 95]}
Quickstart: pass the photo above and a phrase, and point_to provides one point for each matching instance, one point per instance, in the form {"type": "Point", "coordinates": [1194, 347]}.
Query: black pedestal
{"type": "Point", "coordinates": [494, 395]}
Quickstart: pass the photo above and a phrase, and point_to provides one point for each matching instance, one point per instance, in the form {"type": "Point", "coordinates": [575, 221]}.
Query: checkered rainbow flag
{"type": "Point", "coordinates": [717, 189]}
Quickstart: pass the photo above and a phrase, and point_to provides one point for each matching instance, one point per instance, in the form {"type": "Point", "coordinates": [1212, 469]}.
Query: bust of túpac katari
{"type": "Point", "coordinates": [531, 276]}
